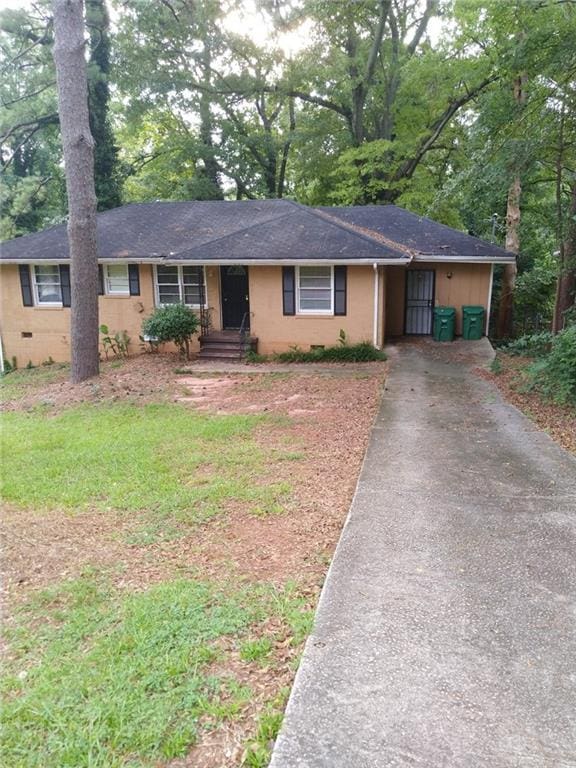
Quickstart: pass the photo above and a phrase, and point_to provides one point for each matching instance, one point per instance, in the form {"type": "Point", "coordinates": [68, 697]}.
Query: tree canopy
{"type": "Point", "coordinates": [349, 102]}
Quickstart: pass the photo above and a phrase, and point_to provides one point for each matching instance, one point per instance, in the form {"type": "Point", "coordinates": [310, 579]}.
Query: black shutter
{"type": "Point", "coordinates": [288, 290]}
{"type": "Point", "coordinates": [65, 284]}
{"type": "Point", "coordinates": [340, 290]}
{"type": "Point", "coordinates": [100, 280]}
{"type": "Point", "coordinates": [25, 285]}
{"type": "Point", "coordinates": [134, 279]}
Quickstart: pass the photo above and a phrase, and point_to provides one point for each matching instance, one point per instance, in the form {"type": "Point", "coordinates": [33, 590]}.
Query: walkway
{"type": "Point", "coordinates": [446, 631]}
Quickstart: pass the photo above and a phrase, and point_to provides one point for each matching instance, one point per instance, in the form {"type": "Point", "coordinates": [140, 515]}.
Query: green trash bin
{"type": "Point", "coordinates": [472, 322]}
{"type": "Point", "coordinates": [444, 323]}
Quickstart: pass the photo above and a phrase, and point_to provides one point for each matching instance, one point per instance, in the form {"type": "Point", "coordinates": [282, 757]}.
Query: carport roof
{"type": "Point", "coordinates": [258, 231]}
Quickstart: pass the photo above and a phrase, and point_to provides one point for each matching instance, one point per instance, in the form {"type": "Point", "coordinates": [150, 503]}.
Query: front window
{"type": "Point", "coordinates": [175, 285]}
{"type": "Point", "coordinates": [47, 284]}
{"type": "Point", "coordinates": [116, 279]}
{"type": "Point", "coordinates": [315, 290]}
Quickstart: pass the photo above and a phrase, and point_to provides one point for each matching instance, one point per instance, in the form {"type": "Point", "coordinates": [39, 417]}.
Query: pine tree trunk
{"type": "Point", "coordinates": [69, 47]}
{"type": "Point", "coordinates": [566, 288]}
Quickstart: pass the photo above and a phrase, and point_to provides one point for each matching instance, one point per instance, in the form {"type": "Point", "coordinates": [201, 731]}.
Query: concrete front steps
{"type": "Point", "coordinates": [226, 346]}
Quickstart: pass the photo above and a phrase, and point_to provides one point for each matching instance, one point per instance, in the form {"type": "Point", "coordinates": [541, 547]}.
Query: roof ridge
{"type": "Point", "coordinates": [236, 232]}
{"type": "Point", "coordinates": [437, 224]}
{"type": "Point", "coordinates": [366, 233]}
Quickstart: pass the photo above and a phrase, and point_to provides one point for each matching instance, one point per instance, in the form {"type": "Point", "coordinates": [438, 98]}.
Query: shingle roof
{"type": "Point", "coordinates": [421, 235]}
{"type": "Point", "coordinates": [257, 230]}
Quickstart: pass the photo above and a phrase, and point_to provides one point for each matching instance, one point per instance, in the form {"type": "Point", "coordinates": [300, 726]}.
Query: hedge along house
{"type": "Point", "coordinates": [281, 272]}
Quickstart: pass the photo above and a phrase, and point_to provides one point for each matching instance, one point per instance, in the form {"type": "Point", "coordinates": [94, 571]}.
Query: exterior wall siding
{"type": "Point", "coordinates": [277, 332]}
{"type": "Point", "coordinates": [50, 326]}
{"type": "Point", "coordinates": [468, 284]}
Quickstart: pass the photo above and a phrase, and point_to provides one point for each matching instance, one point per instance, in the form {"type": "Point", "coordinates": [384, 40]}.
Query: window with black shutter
{"type": "Point", "coordinates": [288, 290]}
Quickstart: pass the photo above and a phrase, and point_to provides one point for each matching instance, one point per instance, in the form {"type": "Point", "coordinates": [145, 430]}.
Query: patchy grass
{"type": "Point", "coordinates": [102, 678]}
{"type": "Point", "coordinates": [142, 628]}
{"type": "Point", "coordinates": [26, 380]}
{"type": "Point", "coordinates": [163, 458]}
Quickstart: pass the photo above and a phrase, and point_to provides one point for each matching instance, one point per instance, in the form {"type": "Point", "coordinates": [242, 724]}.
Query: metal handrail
{"type": "Point", "coordinates": [244, 330]}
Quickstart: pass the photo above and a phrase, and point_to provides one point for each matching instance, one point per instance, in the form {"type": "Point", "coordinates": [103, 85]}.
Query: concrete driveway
{"type": "Point", "coordinates": [446, 631]}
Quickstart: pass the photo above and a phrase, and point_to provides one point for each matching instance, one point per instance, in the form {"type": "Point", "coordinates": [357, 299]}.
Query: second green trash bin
{"type": "Point", "coordinates": [444, 323]}
{"type": "Point", "coordinates": [472, 322]}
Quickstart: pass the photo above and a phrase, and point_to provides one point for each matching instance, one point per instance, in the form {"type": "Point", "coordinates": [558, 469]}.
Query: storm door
{"type": "Point", "coordinates": [234, 288]}
{"type": "Point", "coordinates": [419, 301]}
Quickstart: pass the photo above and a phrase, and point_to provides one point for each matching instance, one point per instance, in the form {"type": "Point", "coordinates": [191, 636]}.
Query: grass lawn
{"type": "Point", "coordinates": [162, 558]}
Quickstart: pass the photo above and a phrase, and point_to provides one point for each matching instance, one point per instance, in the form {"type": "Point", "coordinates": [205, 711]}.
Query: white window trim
{"type": "Point", "coordinates": [157, 301]}
{"type": "Point", "coordinates": [325, 312]}
{"type": "Point", "coordinates": [107, 291]}
{"type": "Point", "coordinates": [37, 302]}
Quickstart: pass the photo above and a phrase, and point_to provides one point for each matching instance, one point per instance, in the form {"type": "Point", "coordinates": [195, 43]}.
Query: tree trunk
{"type": "Point", "coordinates": [566, 287]}
{"type": "Point", "coordinates": [505, 319]}
{"type": "Point", "coordinates": [79, 168]}
{"type": "Point", "coordinates": [504, 323]}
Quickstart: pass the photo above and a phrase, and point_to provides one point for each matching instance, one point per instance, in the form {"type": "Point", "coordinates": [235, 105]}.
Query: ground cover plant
{"type": "Point", "coordinates": [364, 352]}
{"type": "Point", "coordinates": [538, 374]}
{"type": "Point", "coordinates": [165, 539]}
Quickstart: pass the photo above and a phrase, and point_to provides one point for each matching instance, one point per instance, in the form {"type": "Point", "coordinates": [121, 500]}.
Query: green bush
{"type": "Point", "coordinates": [363, 352]}
{"type": "Point", "coordinates": [531, 345]}
{"type": "Point", "coordinates": [555, 374]}
{"type": "Point", "coordinates": [175, 323]}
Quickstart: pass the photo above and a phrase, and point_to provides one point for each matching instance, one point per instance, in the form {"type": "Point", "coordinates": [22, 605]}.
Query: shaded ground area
{"type": "Point", "coordinates": [510, 376]}
{"type": "Point", "coordinates": [445, 631]}
{"type": "Point", "coordinates": [300, 458]}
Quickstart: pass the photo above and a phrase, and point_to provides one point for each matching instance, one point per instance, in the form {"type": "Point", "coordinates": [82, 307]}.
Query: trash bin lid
{"type": "Point", "coordinates": [444, 311]}
{"type": "Point", "coordinates": [473, 310]}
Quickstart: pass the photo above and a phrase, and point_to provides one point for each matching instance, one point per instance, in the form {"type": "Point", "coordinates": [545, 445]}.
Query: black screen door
{"type": "Point", "coordinates": [419, 301]}
{"type": "Point", "coordinates": [234, 290]}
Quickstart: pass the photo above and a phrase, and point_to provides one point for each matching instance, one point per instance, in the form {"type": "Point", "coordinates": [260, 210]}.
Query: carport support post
{"type": "Point", "coordinates": [376, 307]}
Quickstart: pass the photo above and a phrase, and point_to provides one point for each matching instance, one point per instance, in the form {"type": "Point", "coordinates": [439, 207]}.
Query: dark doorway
{"type": "Point", "coordinates": [419, 301]}
{"type": "Point", "coordinates": [234, 292]}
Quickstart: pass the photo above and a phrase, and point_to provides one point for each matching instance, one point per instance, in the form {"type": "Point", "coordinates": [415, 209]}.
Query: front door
{"type": "Point", "coordinates": [419, 301]}
{"type": "Point", "coordinates": [234, 292]}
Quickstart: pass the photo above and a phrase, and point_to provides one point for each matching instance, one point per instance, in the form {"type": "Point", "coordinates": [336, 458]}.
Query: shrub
{"type": "Point", "coordinates": [363, 352]}
{"type": "Point", "coordinates": [175, 323]}
{"type": "Point", "coordinates": [555, 374]}
{"type": "Point", "coordinates": [531, 345]}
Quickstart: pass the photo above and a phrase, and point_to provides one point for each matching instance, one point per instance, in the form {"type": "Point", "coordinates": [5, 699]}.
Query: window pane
{"type": "Point", "coordinates": [117, 278]}
{"type": "Point", "coordinates": [315, 289]}
{"type": "Point", "coordinates": [191, 294]}
{"type": "Point", "coordinates": [315, 303]}
{"type": "Point", "coordinates": [192, 275]}
{"type": "Point", "coordinates": [168, 294]}
{"type": "Point", "coordinates": [316, 272]}
{"type": "Point", "coordinates": [167, 274]}
{"type": "Point", "coordinates": [48, 284]}
{"type": "Point", "coordinates": [48, 274]}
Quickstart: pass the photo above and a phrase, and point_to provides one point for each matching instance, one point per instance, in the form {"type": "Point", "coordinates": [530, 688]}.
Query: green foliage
{"type": "Point", "coordinates": [99, 677]}
{"type": "Point", "coordinates": [363, 352]}
{"type": "Point", "coordinates": [555, 374]}
{"type": "Point", "coordinates": [107, 179]}
{"type": "Point", "coordinates": [130, 458]}
{"type": "Point", "coordinates": [258, 750]}
{"type": "Point", "coordinates": [256, 650]}
{"type": "Point", "coordinates": [531, 345]}
{"type": "Point", "coordinates": [117, 345]}
{"type": "Point", "coordinates": [172, 323]}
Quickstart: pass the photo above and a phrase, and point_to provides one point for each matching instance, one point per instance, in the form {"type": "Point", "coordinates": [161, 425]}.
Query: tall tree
{"type": "Point", "coordinates": [106, 175]}
{"type": "Point", "coordinates": [78, 144]}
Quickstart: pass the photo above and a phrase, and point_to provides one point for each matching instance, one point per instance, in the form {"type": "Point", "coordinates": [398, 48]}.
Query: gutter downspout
{"type": "Point", "coordinates": [376, 305]}
{"type": "Point", "coordinates": [489, 305]}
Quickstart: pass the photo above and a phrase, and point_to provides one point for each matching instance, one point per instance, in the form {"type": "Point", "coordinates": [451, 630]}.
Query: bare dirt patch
{"type": "Point", "coordinates": [558, 420]}
{"type": "Point", "coordinates": [315, 444]}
